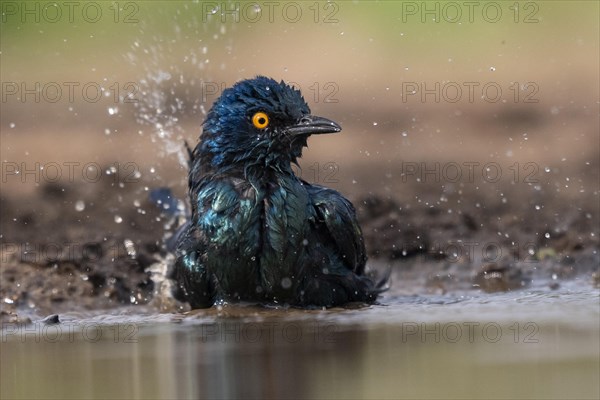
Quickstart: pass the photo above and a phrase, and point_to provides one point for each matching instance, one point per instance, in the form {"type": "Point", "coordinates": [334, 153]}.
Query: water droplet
{"type": "Point", "coordinates": [547, 235]}
{"type": "Point", "coordinates": [130, 248]}
{"type": "Point", "coordinates": [492, 69]}
{"type": "Point", "coordinates": [79, 205]}
{"type": "Point", "coordinates": [113, 110]}
{"type": "Point", "coordinates": [118, 219]}
{"type": "Point", "coordinates": [286, 283]}
{"type": "Point", "coordinates": [11, 125]}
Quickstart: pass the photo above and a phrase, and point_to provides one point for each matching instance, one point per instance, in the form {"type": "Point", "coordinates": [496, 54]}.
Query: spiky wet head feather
{"type": "Point", "coordinates": [230, 138]}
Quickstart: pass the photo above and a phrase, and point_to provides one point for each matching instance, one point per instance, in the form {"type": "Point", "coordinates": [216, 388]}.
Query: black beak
{"type": "Point", "coordinates": [311, 124]}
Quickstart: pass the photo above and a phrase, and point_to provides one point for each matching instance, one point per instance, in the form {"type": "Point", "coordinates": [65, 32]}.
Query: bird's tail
{"type": "Point", "coordinates": [380, 280]}
{"type": "Point", "coordinates": [385, 282]}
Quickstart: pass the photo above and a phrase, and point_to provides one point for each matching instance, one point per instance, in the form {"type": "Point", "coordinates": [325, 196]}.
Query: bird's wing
{"type": "Point", "coordinates": [336, 219]}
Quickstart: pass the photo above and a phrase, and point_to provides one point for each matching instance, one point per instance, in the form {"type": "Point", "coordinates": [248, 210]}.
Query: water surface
{"type": "Point", "coordinates": [526, 344]}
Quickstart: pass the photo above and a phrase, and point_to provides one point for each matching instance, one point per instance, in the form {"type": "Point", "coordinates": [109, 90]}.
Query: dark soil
{"type": "Point", "coordinates": [57, 259]}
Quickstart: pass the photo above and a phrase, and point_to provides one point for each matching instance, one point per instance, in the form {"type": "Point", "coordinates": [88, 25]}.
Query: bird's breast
{"type": "Point", "coordinates": [285, 226]}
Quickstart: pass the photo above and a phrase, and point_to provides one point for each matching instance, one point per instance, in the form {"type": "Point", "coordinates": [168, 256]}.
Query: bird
{"type": "Point", "coordinates": [257, 231]}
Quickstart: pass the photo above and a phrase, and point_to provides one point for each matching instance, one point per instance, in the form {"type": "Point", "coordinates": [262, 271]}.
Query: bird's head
{"type": "Point", "coordinates": [258, 122]}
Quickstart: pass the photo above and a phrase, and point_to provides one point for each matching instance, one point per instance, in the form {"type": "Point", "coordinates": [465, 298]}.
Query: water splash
{"type": "Point", "coordinates": [174, 66]}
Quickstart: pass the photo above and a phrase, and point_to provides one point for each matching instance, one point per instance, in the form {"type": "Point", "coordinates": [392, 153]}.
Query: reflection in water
{"type": "Point", "coordinates": [408, 350]}
{"type": "Point", "coordinates": [265, 361]}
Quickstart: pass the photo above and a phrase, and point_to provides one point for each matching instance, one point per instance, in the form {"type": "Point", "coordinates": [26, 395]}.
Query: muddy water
{"type": "Point", "coordinates": [527, 344]}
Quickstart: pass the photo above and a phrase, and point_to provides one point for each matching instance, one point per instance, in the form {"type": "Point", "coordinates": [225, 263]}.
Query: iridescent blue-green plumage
{"type": "Point", "coordinates": [257, 231]}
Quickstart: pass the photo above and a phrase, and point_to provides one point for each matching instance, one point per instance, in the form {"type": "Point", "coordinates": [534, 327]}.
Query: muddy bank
{"type": "Point", "coordinates": [90, 246]}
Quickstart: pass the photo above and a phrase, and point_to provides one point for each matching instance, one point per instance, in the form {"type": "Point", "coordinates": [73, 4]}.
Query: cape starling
{"type": "Point", "coordinates": [258, 232]}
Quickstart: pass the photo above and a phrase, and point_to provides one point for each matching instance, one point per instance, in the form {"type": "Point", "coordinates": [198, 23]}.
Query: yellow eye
{"type": "Point", "coordinates": [260, 120]}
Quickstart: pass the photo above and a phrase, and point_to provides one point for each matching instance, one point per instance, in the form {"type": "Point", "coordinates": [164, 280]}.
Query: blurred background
{"type": "Point", "coordinates": [459, 121]}
{"type": "Point", "coordinates": [416, 87]}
